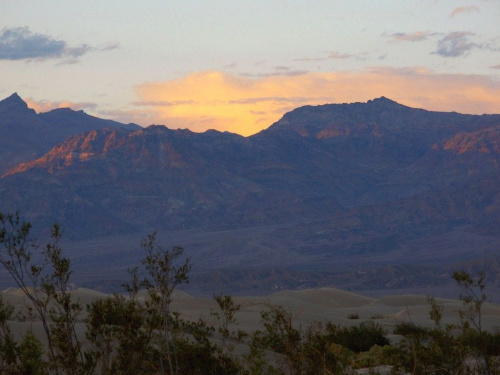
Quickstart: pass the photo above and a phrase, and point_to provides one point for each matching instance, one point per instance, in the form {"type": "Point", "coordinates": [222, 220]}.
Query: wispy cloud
{"type": "Point", "coordinates": [310, 59]}
{"type": "Point", "coordinates": [215, 100]}
{"type": "Point", "coordinates": [279, 71]}
{"type": "Point", "coordinates": [108, 47]}
{"type": "Point", "coordinates": [41, 106]}
{"type": "Point", "coordinates": [455, 44]}
{"type": "Point", "coordinates": [162, 103]}
{"type": "Point", "coordinates": [20, 43]}
{"type": "Point", "coordinates": [462, 10]}
{"type": "Point", "coordinates": [142, 116]}
{"type": "Point", "coordinates": [339, 55]}
{"type": "Point", "coordinates": [282, 67]}
{"type": "Point", "coordinates": [275, 99]}
{"type": "Point", "coordinates": [333, 55]}
{"type": "Point", "coordinates": [416, 36]}
{"type": "Point", "coordinates": [495, 66]}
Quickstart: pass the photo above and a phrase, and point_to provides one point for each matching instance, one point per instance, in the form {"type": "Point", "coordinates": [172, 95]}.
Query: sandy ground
{"type": "Point", "coordinates": [333, 305]}
{"type": "Point", "coordinates": [306, 306]}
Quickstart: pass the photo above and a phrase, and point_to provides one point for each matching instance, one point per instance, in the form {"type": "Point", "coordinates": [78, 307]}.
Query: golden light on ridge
{"type": "Point", "coordinates": [244, 105]}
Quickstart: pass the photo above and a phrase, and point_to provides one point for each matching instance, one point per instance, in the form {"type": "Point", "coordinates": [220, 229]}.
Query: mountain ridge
{"type": "Point", "coordinates": [323, 192]}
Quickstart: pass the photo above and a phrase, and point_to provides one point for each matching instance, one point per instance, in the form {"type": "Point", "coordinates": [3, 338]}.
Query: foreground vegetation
{"type": "Point", "coordinates": [128, 334]}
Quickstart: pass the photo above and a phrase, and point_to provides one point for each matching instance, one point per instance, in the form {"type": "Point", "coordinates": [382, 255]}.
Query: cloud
{"type": "Point", "coordinates": [41, 106]}
{"type": "Point", "coordinates": [279, 71]}
{"type": "Point", "coordinates": [455, 44]}
{"type": "Point", "coordinates": [123, 116]}
{"type": "Point", "coordinates": [416, 36]}
{"type": "Point", "coordinates": [20, 43]}
{"type": "Point", "coordinates": [144, 117]}
{"type": "Point", "coordinates": [338, 55]}
{"type": "Point", "coordinates": [244, 105]}
{"type": "Point", "coordinates": [333, 55]}
{"type": "Point", "coordinates": [461, 10]}
{"type": "Point", "coordinates": [108, 47]}
{"type": "Point", "coordinates": [495, 66]}
{"type": "Point", "coordinates": [163, 103]}
{"type": "Point", "coordinates": [310, 59]}
{"type": "Point", "coordinates": [275, 99]}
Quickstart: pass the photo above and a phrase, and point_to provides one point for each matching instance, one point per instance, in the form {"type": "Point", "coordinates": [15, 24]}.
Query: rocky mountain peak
{"type": "Point", "coordinates": [331, 120]}
{"type": "Point", "coordinates": [14, 103]}
{"type": "Point", "coordinates": [384, 101]}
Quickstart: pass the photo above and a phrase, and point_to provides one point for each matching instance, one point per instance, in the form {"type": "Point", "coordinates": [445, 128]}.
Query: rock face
{"type": "Point", "coordinates": [352, 187]}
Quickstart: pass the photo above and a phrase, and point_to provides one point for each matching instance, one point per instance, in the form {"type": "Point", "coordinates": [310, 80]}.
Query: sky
{"type": "Point", "coordinates": [239, 65]}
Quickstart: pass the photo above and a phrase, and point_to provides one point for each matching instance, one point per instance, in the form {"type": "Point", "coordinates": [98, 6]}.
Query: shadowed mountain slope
{"type": "Point", "coordinates": [172, 179]}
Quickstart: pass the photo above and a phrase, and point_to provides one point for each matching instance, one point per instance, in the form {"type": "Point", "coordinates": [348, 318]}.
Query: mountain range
{"type": "Point", "coordinates": [369, 196]}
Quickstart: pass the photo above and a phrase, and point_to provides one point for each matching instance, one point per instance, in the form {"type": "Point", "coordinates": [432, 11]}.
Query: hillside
{"type": "Point", "coordinates": [366, 196]}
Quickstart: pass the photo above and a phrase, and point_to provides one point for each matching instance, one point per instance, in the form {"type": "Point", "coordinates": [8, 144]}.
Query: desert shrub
{"type": "Point", "coordinates": [377, 356]}
{"type": "Point", "coordinates": [358, 338]}
{"type": "Point", "coordinates": [30, 355]}
{"type": "Point", "coordinates": [121, 333]}
{"type": "Point", "coordinates": [23, 357]}
{"type": "Point", "coordinates": [204, 359]}
{"type": "Point", "coordinates": [280, 335]}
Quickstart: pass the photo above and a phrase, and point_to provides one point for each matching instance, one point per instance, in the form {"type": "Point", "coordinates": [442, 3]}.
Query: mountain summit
{"type": "Point", "coordinates": [14, 105]}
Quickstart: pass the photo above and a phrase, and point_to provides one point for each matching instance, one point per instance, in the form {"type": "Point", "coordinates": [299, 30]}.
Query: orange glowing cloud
{"type": "Point", "coordinates": [45, 106]}
{"type": "Point", "coordinates": [243, 105]}
{"type": "Point", "coordinates": [467, 9]}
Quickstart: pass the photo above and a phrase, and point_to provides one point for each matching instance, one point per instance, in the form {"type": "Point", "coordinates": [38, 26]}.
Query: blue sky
{"type": "Point", "coordinates": [239, 65]}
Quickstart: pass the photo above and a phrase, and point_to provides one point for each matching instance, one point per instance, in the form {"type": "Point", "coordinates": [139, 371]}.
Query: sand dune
{"type": "Point", "coordinates": [324, 297]}
{"type": "Point", "coordinates": [306, 306]}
